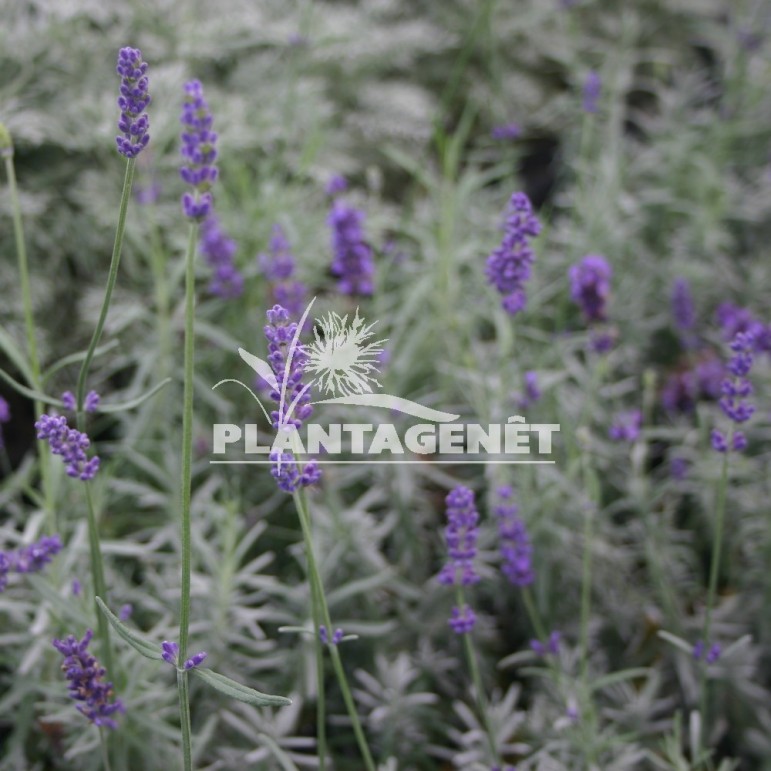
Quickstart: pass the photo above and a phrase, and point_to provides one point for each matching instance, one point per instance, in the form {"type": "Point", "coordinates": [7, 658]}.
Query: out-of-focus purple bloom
{"type": "Point", "coordinates": [552, 645]}
{"type": "Point", "coordinates": [683, 311]}
{"type": "Point", "coordinates": [69, 401]}
{"type": "Point", "coordinates": [462, 620]}
{"type": "Point", "coordinates": [531, 392]}
{"type": "Point", "coordinates": [461, 534]}
{"type": "Point", "coordinates": [602, 341]}
{"type": "Point", "coordinates": [218, 249]}
{"type": "Point", "coordinates": [30, 559]}
{"type": "Point", "coordinates": [678, 468]}
{"type": "Point", "coordinates": [683, 389]}
{"type": "Point", "coordinates": [736, 388]}
{"type": "Point", "coordinates": [76, 587]}
{"type": "Point", "coordinates": [279, 267]}
{"type": "Point", "coordinates": [626, 426]}
{"type": "Point", "coordinates": [70, 443]}
{"type": "Point", "coordinates": [506, 132]}
{"type": "Point", "coordinates": [133, 102]}
{"type": "Point", "coordinates": [124, 614]}
{"type": "Point", "coordinates": [91, 401]}
{"type": "Point", "coordinates": [4, 569]}
{"type": "Point", "coordinates": [734, 319]}
{"type": "Point", "coordinates": [336, 185]}
{"type": "Point", "coordinates": [5, 416]}
{"type": "Point", "coordinates": [198, 151]}
{"type": "Point", "coordinates": [590, 286]}
{"type": "Point", "coordinates": [87, 684]}
{"type": "Point", "coordinates": [749, 40]}
{"type": "Point", "coordinates": [195, 660]}
{"type": "Point", "coordinates": [592, 90]}
{"type": "Point", "coordinates": [289, 477]}
{"type": "Point", "coordinates": [337, 635]}
{"type": "Point", "coordinates": [516, 549]}
{"type": "Point", "coordinates": [33, 558]}
{"type": "Point", "coordinates": [352, 262]}
{"type": "Point", "coordinates": [713, 654]}
{"type": "Point", "coordinates": [146, 195]}
{"type": "Point", "coordinates": [509, 266]}
{"type": "Point", "coordinates": [296, 40]}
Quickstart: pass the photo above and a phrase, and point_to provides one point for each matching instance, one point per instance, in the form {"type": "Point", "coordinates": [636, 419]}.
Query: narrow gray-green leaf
{"type": "Point", "coordinates": [237, 691]}
{"type": "Point", "coordinates": [136, 641]}
{"type": "Point", "coordinates": [129, 405]}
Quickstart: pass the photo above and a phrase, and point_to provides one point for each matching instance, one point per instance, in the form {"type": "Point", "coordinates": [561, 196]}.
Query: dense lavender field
{"type": "Point", "coordinates": [385, 384]}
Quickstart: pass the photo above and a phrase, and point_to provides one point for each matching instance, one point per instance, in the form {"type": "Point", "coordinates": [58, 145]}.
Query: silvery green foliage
{"type": "Point", "coordinates": [674, 180]}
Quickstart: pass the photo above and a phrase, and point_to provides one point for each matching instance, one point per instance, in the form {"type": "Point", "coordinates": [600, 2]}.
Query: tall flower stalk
{"type": "Point", "coordinates": [461, 535]}
{"type": "Point", "coordinates": [199, 153]}
{"type": "Point", "coordinates": [287, 358]}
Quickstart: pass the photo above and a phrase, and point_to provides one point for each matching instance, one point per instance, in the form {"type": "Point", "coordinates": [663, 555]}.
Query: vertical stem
{"type": "Point", "coordinates": [714, 572]}
{"type": "Point", "coordinates": [476, 679]}
{"type": "Point", "coordinates": [187, 463]}
{"type": "Point", "coordinates": [111, 279]}
{"type": "Point", "coordinates": [97, 576]}
{"type": "Point", "coordinates": [184, 719]}
{"type": "Point", "coordinates": [29, 326]}
{"type": "Point", "coordinates": [586, 591]}
{"type": "Point", "coordinates": [315, 578]}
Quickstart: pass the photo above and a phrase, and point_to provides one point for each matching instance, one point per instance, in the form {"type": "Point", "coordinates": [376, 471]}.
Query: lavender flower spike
{"type": "Point", "coordinates": [509, 266]}
{"type": "Point", "coordinates": [590, 286]}
{"type": "Point", "coordinates": [461, 534]}
{"type": "Point", "coordinates": [5, 416]}
{"type": "Point", "coordinates": [133, 102]}
{"type": "Point", "coordinates": [219, 250]}
{"type": "Point", "coordinates": [352, 263]}
{"type": "Point", "coordinates": [736, 388]}
{"type": "Point", "coordinates": [70, 443]}
{"type": "Point", "coordinates": [515, 541]}
{"type": "Point", "coordinates": [198, 151]}
{"type": "Point", "coordinates": [287, 358]}
{"type": "Point", "coordinates": [87, 684]}
{"type": "Point", "coordinates": [592, 90]}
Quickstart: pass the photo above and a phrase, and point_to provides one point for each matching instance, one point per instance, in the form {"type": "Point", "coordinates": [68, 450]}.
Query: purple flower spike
{"type": "Point", "coordinates": [279, 266]}
{"type": "Point", "coordinates": [516, 550]}
{"type": "Point", "coordinates": [592, 90]}
{"type": "Point", "coordinates": [736, 388]}
{"type": "Point", "coordinates": [336, 185]}
{"type": "Point", "coordinates": [713, 654]}
{"type": "Point", "coordinates": [4, 569]}
{"type": "Point", "coordinates": [69, 401]}
{"type": "Point", "coordinates": [461, 534]}
{"type": "Point", "coordinates": [195, 661]}
{"type": "Point", "coordinates": [133, 102]}
{"type": "Point", "coordinates": [507, 132]}
{"type": "Point", "coordinates": [352, 262]}
{"type": "Point", "coordinates": [5, 416]}
{"type": "Point", "coordinates": [462, 620]}
{"type": "Point", "coordinates": [626, 426]}
{"type": "Point", "coordinates": [198, 151]}
{"type": "Point", "coordinates": [92, 401]}
{"type": "Point", "coordinates": [288, 476]}
{"type": "Point", "coordinates": [70, 443]}
{"type": "Point", "coordinates": [124, 614]}
{"type": "Point", "coordinates": [509, 266]}
{"type": "Point", "coordinates": [590, 286]}
{"type": "Point", "coordinates": [169, 652]}
{"type": "Point", "coordinates": [219, 250]}
{"type": "Point", "coordinates": [337, 635]}
{"type": "Point", "coordinates": [87, 684]}
{"type": "Point", "coordinates": [33, 558]}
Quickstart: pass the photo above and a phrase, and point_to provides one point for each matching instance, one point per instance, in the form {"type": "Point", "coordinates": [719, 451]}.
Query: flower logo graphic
{"type": "Point", "coordinates": [341, 357]}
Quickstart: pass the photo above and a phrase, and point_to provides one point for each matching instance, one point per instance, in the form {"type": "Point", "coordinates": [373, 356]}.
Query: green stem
{"type": "Point", "coordinates": [476, 679]}
{"type": "Point", "coordinates": [111, 279]}
{"type": "Point", "coordinates": [187, 471]}
{"type": "Point", "coordinates": [586, 591]}
{"type": "Point", "coordinates": [317, 591]}
{"type": "Point", "coordinates": [535, 618]}
{"type": "Point", "coordinates": [184, 719]}
{"type": "Point", "coordinates": [29, 326]}
{"type": "Point", "coordinates": [103, 741]}
{"type": "Point", "coordinates": [714, 572]}
{"type": "Point", "coordinates": [97, 576]}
